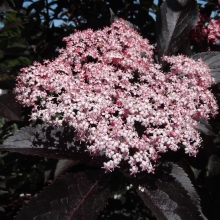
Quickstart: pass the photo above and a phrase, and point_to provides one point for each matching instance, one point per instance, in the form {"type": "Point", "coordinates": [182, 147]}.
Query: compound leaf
{"type": "Point", "coordinates": [47, 141]}
{"type": "Point", "coordinates": [169, 194]}
{"type": "Point", "coordinates": [74, 196]}
{"type": "Point", "coordinates": [63, 165]}
{"type": "Point", "coordinates": [205, 128]}
{"type": "Point", "coordinates": [212, 59]}
{"type": "Point", "coordinates": [213, 167]}
{"type": "Point", "coordinates": [9, 107]}
{"type": "Point", "coordinates": [175, 18]}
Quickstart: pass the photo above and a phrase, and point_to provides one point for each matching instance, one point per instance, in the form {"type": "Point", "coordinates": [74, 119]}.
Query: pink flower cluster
{"type": "Point", "coordinates": [214, 31]}
{"type": "Point", "coordinates": [106, 85]}
{"type": "Point", "coordinates": [206, 29]}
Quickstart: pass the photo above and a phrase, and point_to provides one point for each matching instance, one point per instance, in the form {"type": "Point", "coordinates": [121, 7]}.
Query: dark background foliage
{"type": "Point", "coordinates": [30, 31]}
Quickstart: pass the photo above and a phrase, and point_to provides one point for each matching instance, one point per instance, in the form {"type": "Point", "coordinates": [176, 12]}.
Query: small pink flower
{"type": "Point", "coordinates": [120, 102]}
{"type": "Point", "coordinates": [206, 29]}
{"type": "Point", "coordinates": [214, 31]}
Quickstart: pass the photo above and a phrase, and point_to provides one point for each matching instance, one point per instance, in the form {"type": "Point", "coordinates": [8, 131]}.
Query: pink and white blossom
{"type": "Point", "coordinates": [107, 86]}
{"type": "Point", "coordinates": [206, 29]}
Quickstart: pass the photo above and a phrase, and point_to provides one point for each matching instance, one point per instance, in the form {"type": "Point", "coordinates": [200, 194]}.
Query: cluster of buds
{"type": "Point", "coordinates": [106, 85]}
{"type": "Point", "coordinates": [206, 29]}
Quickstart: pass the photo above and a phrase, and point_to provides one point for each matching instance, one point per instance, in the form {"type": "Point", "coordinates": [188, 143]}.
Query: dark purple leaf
{"type": "Point", "coordinates": [9, 107]}
{"type": "Point", "coordinates": [4, 6]}
{"type": "Point", "coordinates": [169, 194]}
{"type": "Point", "coordinates": [212, 59]}
{"type": "Point", "coordinates": [180, 176]}
{"type": "Point", "coordinates": [47, 175]}
{"type": "Point", "coordinates": [74, 196]}
{"type": "Point", "coordinates": [213, 168]}
{"type": "Point", "coordinates": [205, 128]}
{"type": "Point", "coordinates": [47, 141]}
{"type": "Point", "coordinates": [2, 192]}
{"type": "Point", "coordinates": [114, 17]}
{"type": "Point", "coordinates": [174, 20]}
{"type": "Point", "coordinates": [183, 2]}
{"type": "Point", "coordinates": [63, 165]}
